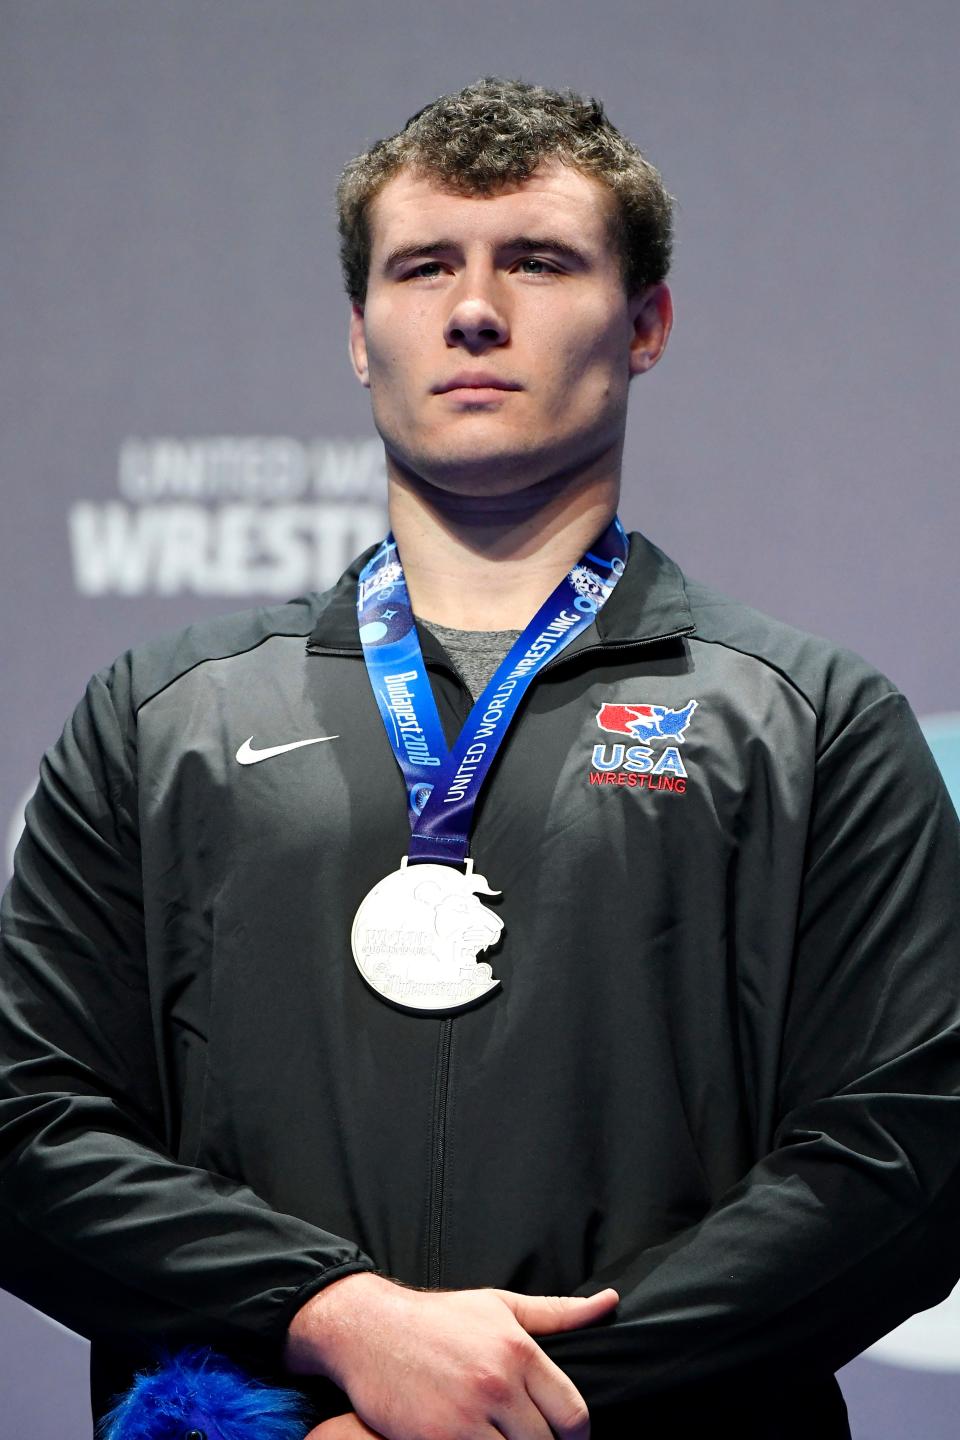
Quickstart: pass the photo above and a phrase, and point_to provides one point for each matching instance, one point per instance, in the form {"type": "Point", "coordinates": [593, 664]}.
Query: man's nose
{"type": "Point", "coordinates": [477, 319]}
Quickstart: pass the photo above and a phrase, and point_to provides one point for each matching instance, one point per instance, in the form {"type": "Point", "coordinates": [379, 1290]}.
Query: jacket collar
{"type": "Point", "coordinates": [649, 603]}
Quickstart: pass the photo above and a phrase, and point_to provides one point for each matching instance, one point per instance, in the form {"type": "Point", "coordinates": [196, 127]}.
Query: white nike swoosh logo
{"type": "Point", "coordinates": [248, 756]}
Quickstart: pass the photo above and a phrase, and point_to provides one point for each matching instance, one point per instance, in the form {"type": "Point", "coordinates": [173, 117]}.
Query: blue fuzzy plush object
{"type": "Point", "coordinates": [198, 1395]}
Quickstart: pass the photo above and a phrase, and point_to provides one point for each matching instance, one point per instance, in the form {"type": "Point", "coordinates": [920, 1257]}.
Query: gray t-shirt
{"type": "Point", "coordinates": [476, 653]}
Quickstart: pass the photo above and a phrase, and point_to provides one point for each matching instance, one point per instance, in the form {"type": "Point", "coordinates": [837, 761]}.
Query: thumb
{"type": "Point", "coordinates": [548, 1314]}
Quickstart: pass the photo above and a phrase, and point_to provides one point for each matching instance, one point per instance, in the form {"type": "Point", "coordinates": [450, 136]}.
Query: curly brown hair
{"type": "Point", "coordinates": [495, 133]}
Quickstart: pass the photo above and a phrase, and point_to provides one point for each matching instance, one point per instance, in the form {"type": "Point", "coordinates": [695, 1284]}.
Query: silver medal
{"type": "Point", "coordinates": [417, 935]}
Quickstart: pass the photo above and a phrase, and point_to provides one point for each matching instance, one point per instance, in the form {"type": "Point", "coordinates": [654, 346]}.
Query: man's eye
{"type": "Point", "coordinates": [433, 266]}
{"type": "Point", "coordinates": [543, 267]}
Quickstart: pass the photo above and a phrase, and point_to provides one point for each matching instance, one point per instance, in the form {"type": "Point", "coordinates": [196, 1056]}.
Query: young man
{"type": "Point", "coordinates": [344, 1024]}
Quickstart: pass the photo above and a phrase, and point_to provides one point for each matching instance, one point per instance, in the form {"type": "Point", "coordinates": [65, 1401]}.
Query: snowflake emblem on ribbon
{"type": "Point", "coordinates": [382, 579]}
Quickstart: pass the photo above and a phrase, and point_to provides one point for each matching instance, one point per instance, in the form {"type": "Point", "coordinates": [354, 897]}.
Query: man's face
{"type": "Point", "coordinates": [496, 338]}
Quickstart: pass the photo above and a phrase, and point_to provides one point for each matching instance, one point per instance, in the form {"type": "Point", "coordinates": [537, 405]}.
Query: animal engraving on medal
{"type": "Point", "coordinates": [417, 935]}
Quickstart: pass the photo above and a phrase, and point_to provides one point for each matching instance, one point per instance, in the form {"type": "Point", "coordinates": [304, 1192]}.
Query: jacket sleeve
{"type": "Point", "coordinates": [136, 1244]}
{"type": "Point", "coordinates": [848, 1224]}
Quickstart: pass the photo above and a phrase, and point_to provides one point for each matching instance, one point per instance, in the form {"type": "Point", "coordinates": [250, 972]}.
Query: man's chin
{"type": "Point", "coordinates": [488, 473]}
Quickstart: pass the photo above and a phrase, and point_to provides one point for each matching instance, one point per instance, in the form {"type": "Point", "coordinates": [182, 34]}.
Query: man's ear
{"type": "Point", "coordinates": [358, 345]}
{"type": "Point", "coordinates": [651, 314]}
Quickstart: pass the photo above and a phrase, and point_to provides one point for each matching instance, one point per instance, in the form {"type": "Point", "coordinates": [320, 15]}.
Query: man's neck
{"type": "Point", "coordinates": [489, 563]}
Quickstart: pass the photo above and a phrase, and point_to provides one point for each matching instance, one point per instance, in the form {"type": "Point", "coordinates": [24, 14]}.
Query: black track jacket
{"type": "Point", "coordinates": [721, 1072]}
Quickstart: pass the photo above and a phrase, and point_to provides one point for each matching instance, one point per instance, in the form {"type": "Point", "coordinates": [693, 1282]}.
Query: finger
{"type": "Point", "coordinates": [548, 1314]}
{"type": "Point", "coordinates": [523, 1421]}
{"type": "Point", "coordinates": [558, 1399]}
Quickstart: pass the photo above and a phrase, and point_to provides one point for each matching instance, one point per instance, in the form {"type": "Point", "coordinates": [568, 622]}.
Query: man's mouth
{"type": "Point", "coordinates": [479, 381]}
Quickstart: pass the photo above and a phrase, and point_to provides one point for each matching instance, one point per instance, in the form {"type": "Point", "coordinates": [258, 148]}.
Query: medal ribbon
{"type": "Point", "coordinates": [443, 785]}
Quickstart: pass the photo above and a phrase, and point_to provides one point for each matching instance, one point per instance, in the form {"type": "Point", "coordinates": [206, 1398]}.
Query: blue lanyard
{"type": "Point", "coordinates": [443, 785]}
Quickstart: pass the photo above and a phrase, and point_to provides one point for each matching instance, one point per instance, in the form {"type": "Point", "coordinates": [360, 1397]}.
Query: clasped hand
{"type": "Point", "coordinates": [442, 1365]}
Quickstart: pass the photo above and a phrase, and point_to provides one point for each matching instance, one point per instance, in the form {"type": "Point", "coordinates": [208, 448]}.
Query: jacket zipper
{"type": "Point", "coordinates": [441, 1091]}
{"type": "Point", "coordinates": [438, 1155]}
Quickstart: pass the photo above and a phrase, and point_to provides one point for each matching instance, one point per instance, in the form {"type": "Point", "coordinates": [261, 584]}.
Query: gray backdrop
{"type": "Point", "coordinates": [181, 433]}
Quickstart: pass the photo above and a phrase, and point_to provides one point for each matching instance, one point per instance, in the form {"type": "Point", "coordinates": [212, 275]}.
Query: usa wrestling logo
{"type": "Point", "coordinates": [639, 765]}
